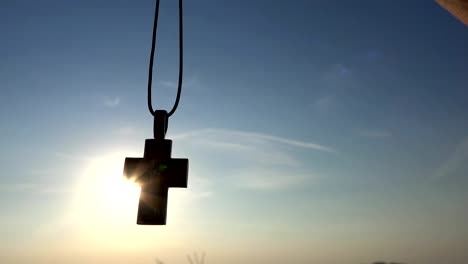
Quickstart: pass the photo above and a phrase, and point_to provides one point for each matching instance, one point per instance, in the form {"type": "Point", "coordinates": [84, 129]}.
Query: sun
{"type": "Point", "coordinates": [104, 195]}
{"type": "Point", "coordinates": [105, 205]}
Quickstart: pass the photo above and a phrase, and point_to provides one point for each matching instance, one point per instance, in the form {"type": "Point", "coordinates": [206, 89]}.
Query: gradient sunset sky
{"type": "Point", "coordinates": [317, 131]}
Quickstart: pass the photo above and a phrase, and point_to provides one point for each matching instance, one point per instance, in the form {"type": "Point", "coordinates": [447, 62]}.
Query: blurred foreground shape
{"type": "Point", "coordinates": [458, 8]}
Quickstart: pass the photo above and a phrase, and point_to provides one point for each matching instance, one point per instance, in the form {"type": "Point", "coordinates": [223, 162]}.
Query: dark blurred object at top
{"type": "Point", "coordinates": [458, 8]}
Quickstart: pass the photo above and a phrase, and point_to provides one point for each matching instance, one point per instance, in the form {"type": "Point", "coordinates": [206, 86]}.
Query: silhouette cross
{"type": "Point", "coordinates": [156, 172]}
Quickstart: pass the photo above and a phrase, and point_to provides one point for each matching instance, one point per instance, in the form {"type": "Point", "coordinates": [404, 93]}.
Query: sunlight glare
{"type": "Point", "coordinates": [106, 204]}
{"type": "Point", "coordinates": [105, 193]}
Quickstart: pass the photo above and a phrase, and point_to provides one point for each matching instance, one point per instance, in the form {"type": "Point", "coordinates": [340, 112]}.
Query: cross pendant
{"type": "Point", "coordinates": [156, 172]}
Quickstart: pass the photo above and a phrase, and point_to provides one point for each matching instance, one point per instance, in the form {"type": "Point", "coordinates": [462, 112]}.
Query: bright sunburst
{"type": "Point", "coordinates": [105, 208]}
{"type": "Point", "coordinates": [105, 192]}
{"type": "Point", "coordinates": [105, 199]}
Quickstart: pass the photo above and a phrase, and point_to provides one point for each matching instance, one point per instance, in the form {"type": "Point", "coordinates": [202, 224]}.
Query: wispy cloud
{"type": "Point", "coordinates": [169, 84]}
{"type": "Point", "coordinates": [16, 187]}
{"type": "Point", "coordinates": [200, 188]}
{"type": "Point", "coordinates": [256, 136]}
{"type": "Point", "coordinates": [374, 133]}
{"type": "Point", "coordinates": [188, 82]}
{"type": "Point", "coordinates": [263, 154]}
{"type": "Point", "coordinates": [271, 179]}
{"type": "Point", "coordinates": [34, 188]}
{"type": "Point", "coordinates": [71, 157]}
{"type": "Point", "coordinates": [127, 131]}
{"type": "Point", "coordinates": [111, 101]}
{"type": "Point", "coordinates": [332, 80]}
{"type": "Point", "coordinates": [337, 72]}
{"type": "Point", "coordinates": [324, 103]}
{"type": "Point", "coordinates": [452, 164]}
{"type": "Point", "coordinates": [255, 161]}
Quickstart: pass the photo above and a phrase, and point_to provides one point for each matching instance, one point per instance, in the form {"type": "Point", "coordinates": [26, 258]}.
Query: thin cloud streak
{"type": "Point", "coordinates": [34, 188]}
{"type": "Point", "coordinates": [169, 84]}
{"type": "Point", "coordinates": [72, 157]}
{"type": "Point", "coordinates": [128, 131]}
{"type": "Point", "coordinates": [451, 165]}
{"type": "Point", "coordinates": [269, 179]}
{"type": "Point", "coordinates": [111, 101]}
{"type": "Point", "coordinates": [259, 137]}
{"type": "Point", "coordinates": [192, 81]}
{"type": "Point", "coordinates": [324, 103]}
{"type": "Point", "coordinates": [262, 161]}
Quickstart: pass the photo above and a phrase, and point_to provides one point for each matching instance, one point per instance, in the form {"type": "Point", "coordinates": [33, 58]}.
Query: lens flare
{"type": "Point", "coordinates": [105, 209]}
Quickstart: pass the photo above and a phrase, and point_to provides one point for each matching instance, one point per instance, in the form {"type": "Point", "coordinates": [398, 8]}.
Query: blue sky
{"type": "Point", "coordinates": [317, 131]}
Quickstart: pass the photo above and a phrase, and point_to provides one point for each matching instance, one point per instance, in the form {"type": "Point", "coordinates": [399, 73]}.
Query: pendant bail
{"type": "Point", "coordinates": [160, 124]}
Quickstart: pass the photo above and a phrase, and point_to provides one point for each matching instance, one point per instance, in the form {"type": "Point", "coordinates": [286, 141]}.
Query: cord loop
{"type": "Point", "coordinates": [181, 59]}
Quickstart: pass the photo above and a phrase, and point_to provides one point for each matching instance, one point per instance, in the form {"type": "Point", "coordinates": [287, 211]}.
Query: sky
{"type": "Point", "coordinates": [317, 131]}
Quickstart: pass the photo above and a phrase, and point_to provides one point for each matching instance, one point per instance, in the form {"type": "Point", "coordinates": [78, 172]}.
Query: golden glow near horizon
{"type": "Point", "coordinates": [104, 201]}
{"type": "Point", "coordinates": [104, 193]}
{"type": "Point", "coordinates": [105, 205]}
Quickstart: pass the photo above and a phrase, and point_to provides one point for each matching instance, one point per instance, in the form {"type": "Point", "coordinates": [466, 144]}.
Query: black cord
{"type": "Point", "coordinates": [181, 59]}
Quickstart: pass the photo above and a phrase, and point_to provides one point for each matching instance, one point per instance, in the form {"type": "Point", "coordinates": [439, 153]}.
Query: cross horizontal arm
{"type": "Point", "coordinates": [134, 168]}
{"type": "Point", "coordinates": [177, 172]}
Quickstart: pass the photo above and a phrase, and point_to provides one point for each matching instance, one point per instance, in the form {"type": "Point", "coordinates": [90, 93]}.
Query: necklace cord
{"type": "Point", "coordinates": [181, 59]}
